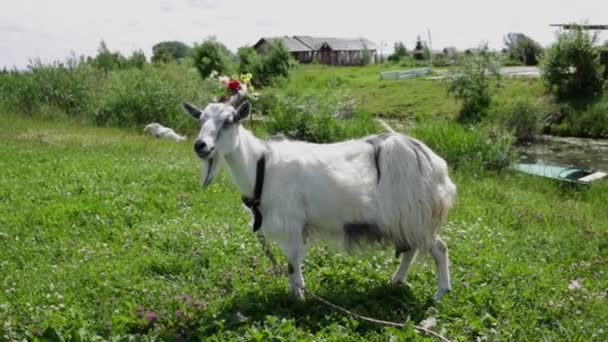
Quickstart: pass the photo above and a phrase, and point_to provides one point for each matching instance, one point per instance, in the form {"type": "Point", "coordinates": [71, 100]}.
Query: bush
{"type": "Point", "coordinates": [469, 81]}
{"type": "Point", "coordinates": [138, 97]}
{"type": "Point", "coordinates": [211, 56]}
{"type": "Point", "coordinates": [399, 52]}
{"type": "Point", "coordinates": [312, 118]}
{"type": "Point", "coordinates": [67, 86]}
{"type": "Point", "coordinates": [591, 123]}
{"type": "Point", "coordinates": [276, 63]}
{"type": "Point", "coordinates": [571, 66]}
{"type": "Point", "coordinates": [250, 62]}
{"type": "Point", "coordinates": [469, 147]}
{"type": "Point", "coordinates": [524, 119]}
{"type": "Point", "coordinates": [522, 48]}
{"type": "Point", "coordinates": [169, 51]}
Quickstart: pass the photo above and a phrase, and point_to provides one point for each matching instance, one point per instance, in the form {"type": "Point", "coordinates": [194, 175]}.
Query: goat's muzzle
{"type": "Point", "coordinates": [202, 149]}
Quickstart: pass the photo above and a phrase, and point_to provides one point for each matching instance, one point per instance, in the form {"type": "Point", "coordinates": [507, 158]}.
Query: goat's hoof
{"type": "Point", "coordinates": [400, 282]}
{"type": "Point", "coordinates": [440, 293]}
{"type": "Point", "coordinates": [298, 295]}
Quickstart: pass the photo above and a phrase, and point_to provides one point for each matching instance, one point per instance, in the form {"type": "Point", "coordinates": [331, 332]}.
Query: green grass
{"type": "Point", "coordinates": [412, 99]}
{"type": "Point", "coordinates": [100, 227]}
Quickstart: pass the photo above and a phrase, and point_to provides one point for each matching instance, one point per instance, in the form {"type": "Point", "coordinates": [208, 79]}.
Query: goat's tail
{"type": "Point", "coordinates": [386, 126]}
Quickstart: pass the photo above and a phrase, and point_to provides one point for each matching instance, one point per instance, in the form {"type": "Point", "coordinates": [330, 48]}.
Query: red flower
{"type": "Point", "coordinates": [234, 86]}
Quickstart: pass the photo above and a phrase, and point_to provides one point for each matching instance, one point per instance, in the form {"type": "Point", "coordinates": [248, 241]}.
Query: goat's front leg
{"type": "Point", "coordinates": [440, 254]}
{"type": "Point", "coordinates": [295, 250]}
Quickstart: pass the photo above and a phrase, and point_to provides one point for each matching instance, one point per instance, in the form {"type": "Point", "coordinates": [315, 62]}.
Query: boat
{"type": "Point", "coordinates": [571, 174]}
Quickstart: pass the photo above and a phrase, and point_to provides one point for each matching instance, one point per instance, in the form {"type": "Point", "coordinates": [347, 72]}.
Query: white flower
{"type": "Point", "coordinates": [224, 80]}
{"type": "Point", "coordinates": [574, 285]}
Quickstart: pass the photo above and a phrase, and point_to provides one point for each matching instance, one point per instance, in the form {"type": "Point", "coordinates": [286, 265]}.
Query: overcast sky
{"type": "Point", "coordinates": [53, 29]}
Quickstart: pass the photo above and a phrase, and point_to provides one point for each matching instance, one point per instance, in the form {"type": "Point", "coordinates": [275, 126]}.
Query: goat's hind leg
{"type": "Point", "coordinates": [407, 258]}
{"type": "Point", "coordinates": [440, 254]}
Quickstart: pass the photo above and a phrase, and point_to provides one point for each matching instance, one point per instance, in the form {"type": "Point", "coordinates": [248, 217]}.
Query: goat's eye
{"type": "Point", "coordinates": [228, 122]}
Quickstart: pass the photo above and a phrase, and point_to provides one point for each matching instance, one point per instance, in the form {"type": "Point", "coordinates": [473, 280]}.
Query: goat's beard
{"type": "Point", "coordinates": [209, 168]}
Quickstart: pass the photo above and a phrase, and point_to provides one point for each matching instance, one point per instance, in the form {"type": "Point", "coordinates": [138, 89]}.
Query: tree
{"type": "Point", "coordinates": [571, 66]}
{"type": "Point", "coordinates": [169, 50]}
{"type": "Point", "coordinates": [211, 56]}
{"type": "Point", "coordinates": [523, 48]}
{"type": "Point", "coordinates": [105, 60]}
{"type": "Point", "coordinates": [399, 52]}
{"type": "Point", "coordinates": [137, 60]}
{"type": "Point", "coordinates": [469, 81]}
{"type": "Point", "coordinates": [419, 50]}
{"type": "Point", "coordinates": [276, 62]}
{"type": "Point", "coordinates": [250, 62]}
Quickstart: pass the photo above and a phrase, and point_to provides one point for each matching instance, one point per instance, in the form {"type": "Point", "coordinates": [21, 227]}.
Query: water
{"type": "Point", "coordinates": [584, 153]}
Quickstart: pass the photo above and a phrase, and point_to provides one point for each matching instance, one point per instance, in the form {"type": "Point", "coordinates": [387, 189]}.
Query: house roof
{"type": "Point", "coordinates": [292, 44]}
{"type": "Point", "coordinates": [308, 43]}
{"type": "Point", "coordinates": [584, 27]}
{"type": "Point", "coordinates": [337, 44]}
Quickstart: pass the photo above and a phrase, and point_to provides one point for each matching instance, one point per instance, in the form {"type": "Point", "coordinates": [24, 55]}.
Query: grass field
{"type": "Point", "coordinates": [106, 232]}
{"type": "Point", "coordinates": [413, 99]}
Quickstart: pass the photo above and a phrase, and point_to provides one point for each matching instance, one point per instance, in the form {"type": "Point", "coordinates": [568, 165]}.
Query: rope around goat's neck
{"type": "Point", "coordinates": [279, 270]}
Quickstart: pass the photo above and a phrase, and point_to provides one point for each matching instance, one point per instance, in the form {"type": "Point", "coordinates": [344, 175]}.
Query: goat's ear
{"type": "Point", "coordinates": [243, 111]}
{"type": "Point", "coordinates": [193, 111]}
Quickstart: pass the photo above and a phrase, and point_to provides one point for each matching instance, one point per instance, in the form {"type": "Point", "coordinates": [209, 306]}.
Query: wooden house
{"type": "Point", "coordinates": [326, 50]}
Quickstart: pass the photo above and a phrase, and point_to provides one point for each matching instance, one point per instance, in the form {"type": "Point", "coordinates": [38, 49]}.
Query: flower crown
{"type": "Point", "coordinates": [231, 86]}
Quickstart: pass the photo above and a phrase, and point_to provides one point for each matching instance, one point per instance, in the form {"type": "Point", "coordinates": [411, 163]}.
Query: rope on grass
{"type": "Point", "coordinates": [279, 270]}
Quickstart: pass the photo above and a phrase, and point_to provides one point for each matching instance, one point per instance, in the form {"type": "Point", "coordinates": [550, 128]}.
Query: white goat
{"type": "Point", "coordinates": [161, 131]}
{"type": "Point", "coordinates": [387, 188]}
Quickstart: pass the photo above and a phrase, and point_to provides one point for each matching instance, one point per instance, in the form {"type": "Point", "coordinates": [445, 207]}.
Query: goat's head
{"type": "Point", "coordinates": [218, 136]}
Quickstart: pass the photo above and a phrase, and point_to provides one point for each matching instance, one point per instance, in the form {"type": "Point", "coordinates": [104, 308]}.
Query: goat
{"type": "Point", "coordinates": [387, 188]}
{"type": "Point", "coordinates": [161, 131]}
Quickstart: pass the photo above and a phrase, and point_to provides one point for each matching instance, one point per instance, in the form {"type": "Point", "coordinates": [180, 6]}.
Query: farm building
{"type": "Point", "coordinates": [331, 51]}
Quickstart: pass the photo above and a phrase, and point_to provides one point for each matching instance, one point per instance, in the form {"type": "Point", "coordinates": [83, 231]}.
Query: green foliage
{"type": "Point", "coordinates": [571, 67]}
{"type": "Point", "coordinates": [250, 62]}
{"type": "Point", "coordinates": [105, 59]}
{"type": "Point", "coordinates": [277, 62]}
{"type": "Point", "coordinates": [366, 56]}
{"type": "Point", "coordinates": [524, 118]}
{"type": "Point", "coordinates": [470, 148]}
{"type": "Point", "coordinates": [591, 122]}
{"type": "Point", "coordinates": [399, 52]}
{"type": "Point", "coordinates": [67, 86]}
{"type": "Point", "coordinates": [137, 60]}
{"type": "Point", "coordinates": [169, 51]}
{"type": "Point", "coordinates": [523, 48]}
{"type": "Point", "coordinates": [314, 117]}
{"type": "Point", "coordinates": [470, 82]}
{"type": "Point", "coordinates": [211, 56]}
{"type": "Point", "coordinates": [138, 97]}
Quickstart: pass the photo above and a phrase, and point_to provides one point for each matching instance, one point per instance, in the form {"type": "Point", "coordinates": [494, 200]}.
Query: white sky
{"type": "Point", "coordinates": [53, 29]}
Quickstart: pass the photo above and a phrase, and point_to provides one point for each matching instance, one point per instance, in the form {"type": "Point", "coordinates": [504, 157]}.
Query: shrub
{"type": "Point", "coordinates": [469, 147]}
{"type": "Point", "coordinates": [522, 48]}
{"type": "Point", "coordinates": [524, 119]}
{"type": "Point", "coordinates": [591, 123]}
{"type": "Point", "coordinates": [312, 118]}
{"type": "Point", "coordinates": [211, 56]}
{"type": "Point", "coordinates": [168, 51]}
{"type": "Point", "coordinates": [250, 62]}
{"type": "Point", "coordinates": [469, 81]}
{"type": "Point", "coordinates": [137, 97]}
{"type": "Point", "coordinates": [399, 52]}
{"type": "Point", "coordinates": [67, 86]}
{"type": "Point", "coordinates": [571, 66]}
{"type": "Point", "coordinates": [276, 63]}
